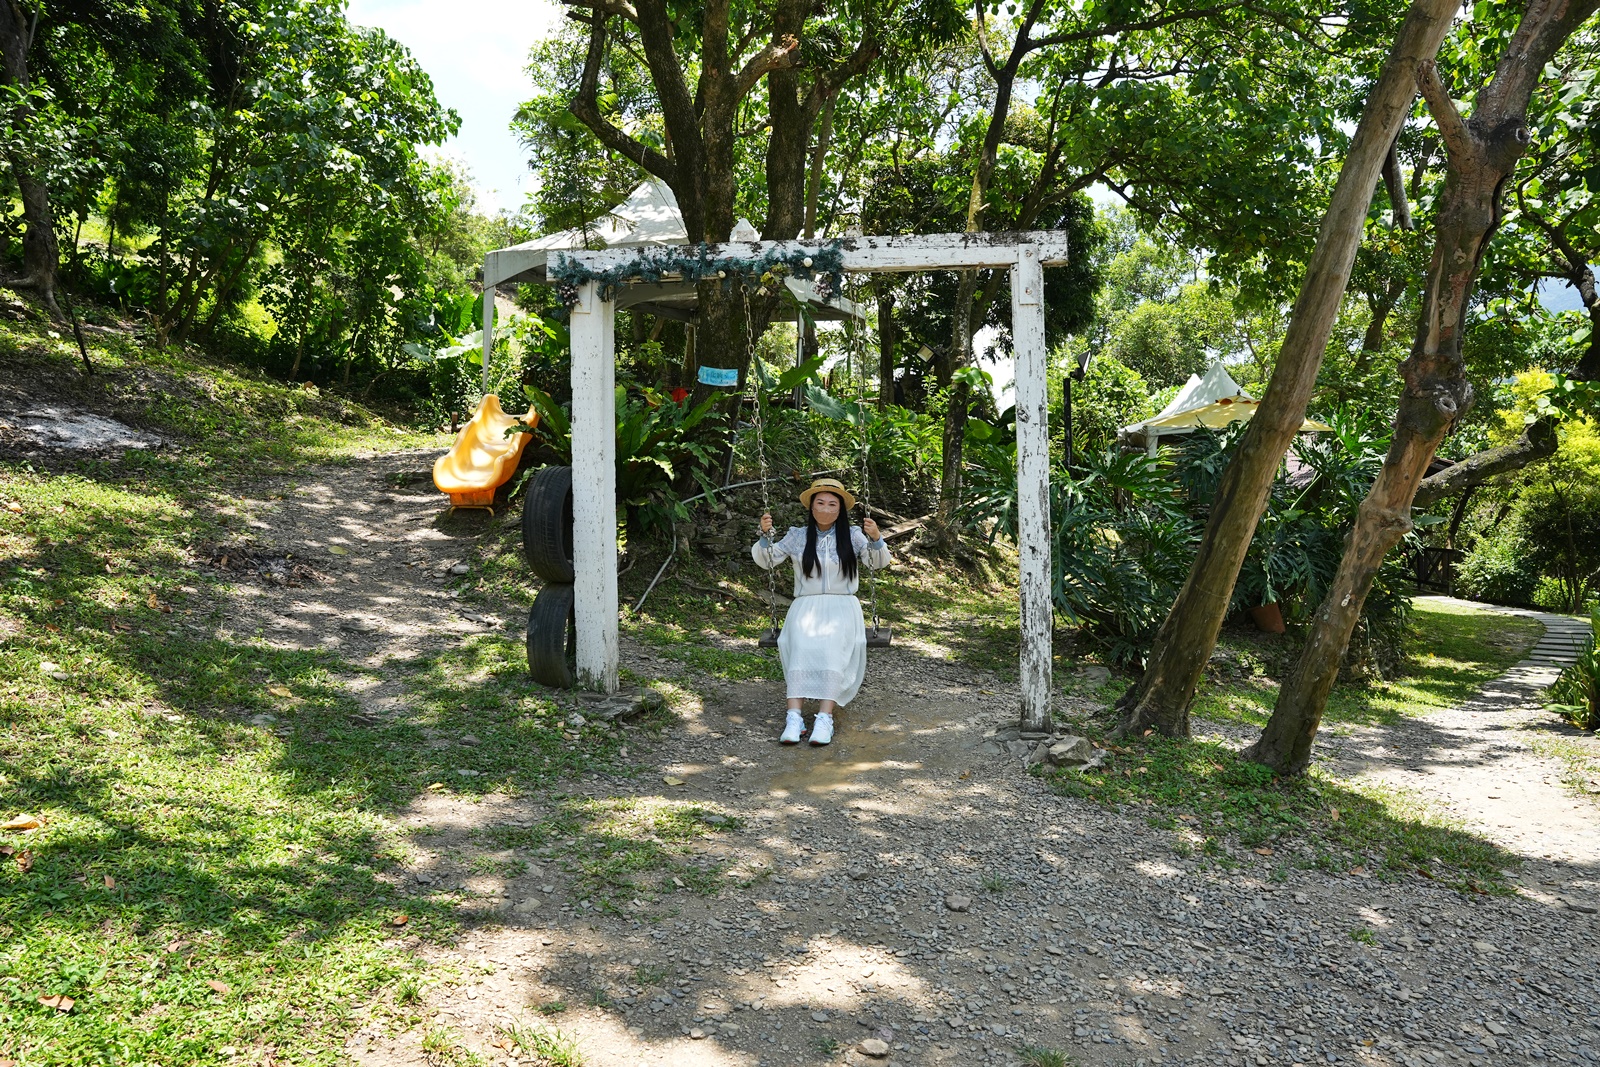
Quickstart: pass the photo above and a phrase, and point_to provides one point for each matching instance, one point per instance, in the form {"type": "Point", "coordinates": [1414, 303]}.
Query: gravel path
{"type": "Point", "coordinates": [1477, 763]}
{"type": "Point", "coordinates": [911, 895]}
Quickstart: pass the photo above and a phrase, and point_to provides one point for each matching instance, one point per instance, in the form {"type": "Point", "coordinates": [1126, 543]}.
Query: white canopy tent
{"type": "Point", "coordinates": [1215, 400]}
{"type": "Point", "coordinates": [649, 217]}
{"type": "Point", "coordinates": [594, 445]}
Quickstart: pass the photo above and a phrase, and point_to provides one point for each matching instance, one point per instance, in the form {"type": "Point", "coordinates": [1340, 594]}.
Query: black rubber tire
{"type": "Point", "coordinates": [553, 638]}
{"type": "Point", "coordinates": [547, 525]}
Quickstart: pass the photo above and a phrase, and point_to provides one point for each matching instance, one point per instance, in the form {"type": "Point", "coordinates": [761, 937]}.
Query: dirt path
{"type": "Point", "coordinates": [1477, 761]}
{"type": "Point", "coordinates": [907, 891]}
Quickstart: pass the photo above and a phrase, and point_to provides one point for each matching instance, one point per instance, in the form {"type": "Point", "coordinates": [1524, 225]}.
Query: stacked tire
{"type": "Point", "coordinates": [547, 542]}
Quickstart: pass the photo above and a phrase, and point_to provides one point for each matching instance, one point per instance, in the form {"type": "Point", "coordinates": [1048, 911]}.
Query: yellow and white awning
{"type": "Point", "coordinates": [1214, 401]}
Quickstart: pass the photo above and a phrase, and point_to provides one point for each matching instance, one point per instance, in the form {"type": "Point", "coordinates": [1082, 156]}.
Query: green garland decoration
{"type": "Point", "coordinates": [824, 265]}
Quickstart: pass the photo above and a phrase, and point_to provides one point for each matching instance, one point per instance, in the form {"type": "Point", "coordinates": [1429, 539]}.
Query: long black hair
{"type": "Point", "coordinates": [842, 539]}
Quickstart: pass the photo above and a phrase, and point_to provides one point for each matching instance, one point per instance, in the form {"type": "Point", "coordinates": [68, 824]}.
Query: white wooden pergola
{"type": "Point", "coordinates": [592, 325]}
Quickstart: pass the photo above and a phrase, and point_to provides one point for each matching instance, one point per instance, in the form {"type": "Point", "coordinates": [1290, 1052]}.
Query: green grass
{"type": "Point", "coordinates": [551, 1047]}
{"type": "Point", "coordinates": [1227, 808]}
{"type": "Point", "coordinates": [1232, 806]}
{"type": "Point", "coordinates": [1579, 756]}
{"type": "Point", "coordinates": [622, 849]}
{"type": "Point", "coordinates": [1452, 653]}
{"type": "Point", "coordinates": [481, 688]}
{"type": "Point", "coordinates": [234, 427]}
{"type": "Point", "coordinates": [214, 867]}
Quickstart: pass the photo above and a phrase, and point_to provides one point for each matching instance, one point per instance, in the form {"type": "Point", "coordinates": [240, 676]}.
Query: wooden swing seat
{"type": "Point", "coordinates": [877, 636]}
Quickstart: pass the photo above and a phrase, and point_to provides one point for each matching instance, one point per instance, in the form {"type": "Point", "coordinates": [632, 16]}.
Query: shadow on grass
{"type": "Point", "coordinates": [1453, 653]}
{"type": "Point", "coordinates": [1206, 789]}
{"type": "Point", "coordinates": [626, 850]}
{"type": "Point", "coordinates": [215, 868]}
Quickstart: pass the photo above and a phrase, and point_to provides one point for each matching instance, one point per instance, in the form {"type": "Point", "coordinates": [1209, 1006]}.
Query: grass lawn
{"type": "Point", "coordinates": [1452, 653]}
{"type": "Point", "coordinates": [209, 877]}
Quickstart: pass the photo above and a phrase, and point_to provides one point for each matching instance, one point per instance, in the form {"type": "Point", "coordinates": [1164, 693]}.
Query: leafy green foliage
{"type": "Point", "coordinates": [1125, 531]}
{"type": "Point", "coordinates": [1110, 396]}
{"type": "Point", "coordinates": [1575, 695]}
{"type": "Point", "coordinates": [663, 446]}
{"type": "Point", "coordinates": [1497, 571]}
{"type": "Point", "coordinates": [1122, 541]}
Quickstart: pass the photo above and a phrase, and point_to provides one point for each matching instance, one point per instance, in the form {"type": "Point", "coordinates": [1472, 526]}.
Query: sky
{"type": "Point", "coordinates": [475, 54]}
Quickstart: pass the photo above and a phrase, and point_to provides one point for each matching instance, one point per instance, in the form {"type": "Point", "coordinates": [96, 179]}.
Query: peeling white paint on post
{"type": "Point", "coordinates": [594, 482]}
{"type": "Point", "coordinates": [1033, 485]}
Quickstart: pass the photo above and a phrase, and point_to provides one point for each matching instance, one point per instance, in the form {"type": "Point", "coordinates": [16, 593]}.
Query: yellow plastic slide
{"type": "Point", "coordinates": [483, 457]}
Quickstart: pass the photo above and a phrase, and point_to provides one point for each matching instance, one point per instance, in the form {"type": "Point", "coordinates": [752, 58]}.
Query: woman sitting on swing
{"type": "Point", "coordinates": [823, 645]}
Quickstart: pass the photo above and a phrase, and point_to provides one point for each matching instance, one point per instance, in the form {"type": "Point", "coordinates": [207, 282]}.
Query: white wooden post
{"type": "Point", "coordinates": [594, 482]}
{"type": "Point", "coordinates": [1033, 486]}
{"type": "Point", "coordinates": [489, 293]}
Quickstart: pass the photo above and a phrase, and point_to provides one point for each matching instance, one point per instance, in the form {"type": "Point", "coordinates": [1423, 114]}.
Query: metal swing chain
{"type": "Point", "coordinates": [866, 446]}
{"type": "Point", "coordinates": [754, 362]}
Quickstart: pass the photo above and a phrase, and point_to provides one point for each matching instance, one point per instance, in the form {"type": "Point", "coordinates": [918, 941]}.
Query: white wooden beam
{"type": "Point", "coordinates": [937, 251]}
{"type": "Point", "coordinates": [1033, 486]}
{"type": "Point", "coordinates": [594, 488]}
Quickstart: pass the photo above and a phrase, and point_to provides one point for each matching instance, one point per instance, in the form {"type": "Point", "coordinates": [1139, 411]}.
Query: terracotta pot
{"type": "Point", "coordinates": [1269, 618]}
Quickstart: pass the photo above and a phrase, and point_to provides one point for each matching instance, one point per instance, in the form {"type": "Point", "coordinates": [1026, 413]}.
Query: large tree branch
{"type": "Point", "coordinates": [620, 8]}
{"type": "Point", "coordinates": [1156, 23]}
{"type": "Point", "coordinates": [585, 106]}
{"type": "Point", "coordinates": [1394, 184]}
{"type": "Point", "coordinates": [666, 75]}
{"type": "Point", "coordinates": [779, 55]}
{"type": "Point", "coordinates": [1537, 442]}
{"type": "Point", "coordinates": [1458, 139]}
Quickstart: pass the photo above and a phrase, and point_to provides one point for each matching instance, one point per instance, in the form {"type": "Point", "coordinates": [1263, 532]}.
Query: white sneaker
{"type": "Point", "coordinates": [793, 729]}
{"type": "Point", "coordinates": [822, 729]}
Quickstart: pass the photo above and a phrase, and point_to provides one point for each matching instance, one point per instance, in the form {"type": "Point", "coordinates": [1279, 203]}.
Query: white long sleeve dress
{"type": "Point", "coordinates": [824, 641]}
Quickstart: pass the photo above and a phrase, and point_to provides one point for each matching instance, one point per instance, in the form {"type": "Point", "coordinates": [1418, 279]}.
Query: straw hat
{"type": "Point", "coordinates": [827, 485]}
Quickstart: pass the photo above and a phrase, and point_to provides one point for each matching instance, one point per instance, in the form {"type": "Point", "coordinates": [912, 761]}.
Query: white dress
{"type": "Point", "coordinates": [824, 641]}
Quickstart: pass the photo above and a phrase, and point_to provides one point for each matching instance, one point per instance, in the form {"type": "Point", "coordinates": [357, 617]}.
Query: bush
{"type": "Point", "coordinates": [1112, 395]}
{"type": "Point", "coordinates": [1560, 526]}
{"type": "Point", "coordinates": [1123, 545]}
{"type": "Point", "coordinates": [1575, 695]}
{"type": "Point", "coordinates": [666, 449]}
{"type": "Point", "coordinates": [1497, 571]}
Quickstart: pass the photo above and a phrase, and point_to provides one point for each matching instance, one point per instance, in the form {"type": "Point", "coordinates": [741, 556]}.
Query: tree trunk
{"type": "Point", "coordinates": [888, 337]}
{"type": "Point", "coordinates": [1160, 700]}
{"type": "Point", "coordinates": [41, 257]}
{"type": "Point", "coordinates": [943, 530]}
{"type": "Point", "coordinates": [1482, 154]}
{"type": "Point", "coordinates": [1382, 306]}
{"type": "Point", "coordinates": [1457, 514]}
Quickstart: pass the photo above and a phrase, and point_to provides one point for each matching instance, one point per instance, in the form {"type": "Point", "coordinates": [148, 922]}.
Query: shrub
{"type": "Point", "coordinates": [1122, 547]}
{"type": "Point", "coordinates": [1110, 396]}
{"type": "Point", "coordinates": [1575, 695]}
{"type": "Point", "coordinates": [1560, 521]}
{"type": "Point", "coordinates": [1497, 571]}
{"type": "Point", "coordinates": [663, 446]}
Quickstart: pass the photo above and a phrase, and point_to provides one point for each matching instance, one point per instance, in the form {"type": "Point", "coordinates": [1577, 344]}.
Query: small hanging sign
{"type": "Point", "coordinates": [719, 376]}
